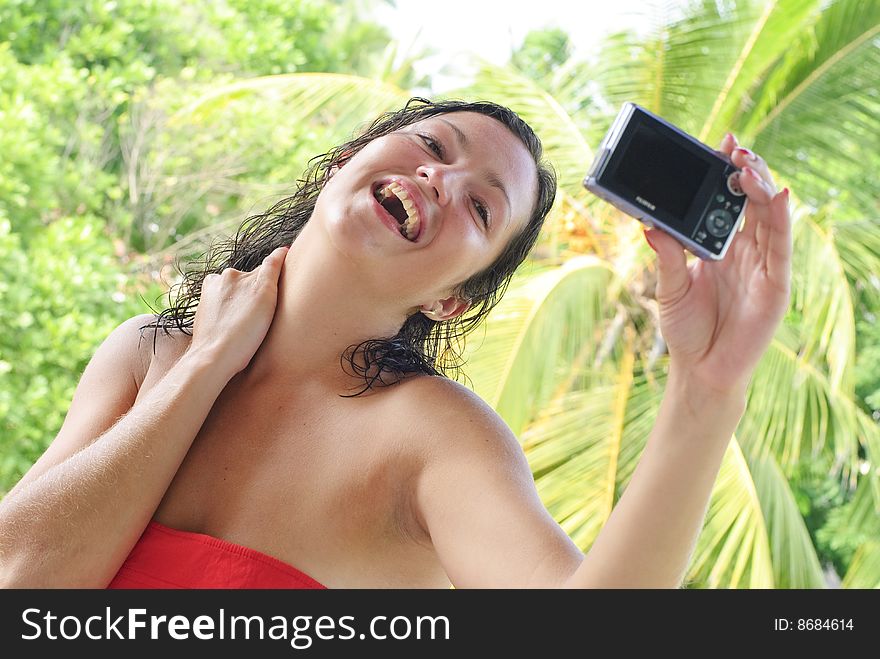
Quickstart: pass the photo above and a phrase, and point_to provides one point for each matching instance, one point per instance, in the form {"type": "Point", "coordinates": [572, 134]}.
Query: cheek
{"type": "Point", "coordinates": [334, 197]}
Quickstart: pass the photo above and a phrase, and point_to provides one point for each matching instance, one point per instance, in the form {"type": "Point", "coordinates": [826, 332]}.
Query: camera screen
{"type": "Point", "coordinates": [660, 171]}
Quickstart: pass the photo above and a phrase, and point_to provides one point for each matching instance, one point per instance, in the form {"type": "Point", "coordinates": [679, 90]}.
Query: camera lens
{"type": "Point", "coordinates": [719, 222]}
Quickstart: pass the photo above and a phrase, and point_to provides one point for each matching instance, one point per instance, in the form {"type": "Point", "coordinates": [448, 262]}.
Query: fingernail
{"type": "Point", "coordinates": [786, 192]}
{"type": "Point", "coordinates": [648, 238]}
{"type": "Point", "coordinates": [732, 138]}
{"type": "Point", "coordinates": [751, 172]}
{"type": "Point", "coordinates": [748, 154]}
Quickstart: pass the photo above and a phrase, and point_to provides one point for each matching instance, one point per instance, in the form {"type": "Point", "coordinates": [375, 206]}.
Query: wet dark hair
{"type": "Point", "coordinates": [422, 345]}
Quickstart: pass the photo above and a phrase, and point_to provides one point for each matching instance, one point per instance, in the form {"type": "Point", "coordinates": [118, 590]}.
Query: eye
{"type": "Point", "coordinates": [482, 211]}
{"type": "Point", "coordinates": [432, 144]}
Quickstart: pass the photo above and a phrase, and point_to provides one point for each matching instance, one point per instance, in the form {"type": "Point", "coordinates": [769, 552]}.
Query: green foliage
{"type": "Point", "coordinates": [542, 52]}
{"type": "Point", "coordinates": [868, 362]}
{"type": "Point", "coordinates": [52, 157]}
{"type": "Point", "coordinates": [140, 40]}
{"type": "Point", "coordinates": [865, 567]}
{"type": "Point", "coordinates": [840, 521]}
{"type": "Point", "coordinates": [59, 298]}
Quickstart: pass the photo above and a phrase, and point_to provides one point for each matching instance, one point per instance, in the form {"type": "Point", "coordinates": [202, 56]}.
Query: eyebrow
{"type": "Point", "coordinates": [492, 178]}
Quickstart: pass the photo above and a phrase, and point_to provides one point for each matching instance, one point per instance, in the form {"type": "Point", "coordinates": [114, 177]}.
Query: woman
{"type": "Point", "coordinates": [247, 445]}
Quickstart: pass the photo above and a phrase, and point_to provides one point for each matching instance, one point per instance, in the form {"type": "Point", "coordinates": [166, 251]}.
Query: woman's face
{"type": "Point", "coordinates": [462, 183]}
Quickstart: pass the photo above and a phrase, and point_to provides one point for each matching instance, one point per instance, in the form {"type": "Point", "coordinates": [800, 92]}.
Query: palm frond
{"type": "Point", "coordinates": [858, 246]}
{"type": "Point", "coordinates": [795, 564]}
{"type": "Point", "coordinates": [793, 413]}
{"type": "Point", "coordinates": [562, 139]}
{"type": "Point", "coordinates": [349, 100]}
{"type": "Point", "coordinates": [771, 72]}
{"type": "Point", "coordinates": [864, 571]}
{"type": "Point", "coordinates": [850, 526]}
{"type": "Point", "coordinates": [543, 331]}
{"type": "Point", "coordinates": [695, 68]}
{"type": "Point", "coordinates": [763, 33]}
{"type": "Point", "coordinates": [829, 70]}
{"type": "Point", "coordinates": [733, 550]}
{"type": "Point", "coordinates": [822, 303]}
{"type": "Point", "coordinates": [574, 451]}
{"type": "Point", "coordinates": [809, 366]}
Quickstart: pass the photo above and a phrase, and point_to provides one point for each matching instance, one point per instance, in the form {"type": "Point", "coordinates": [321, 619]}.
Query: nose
{"type": "Point", "coordinates": [436, 179]}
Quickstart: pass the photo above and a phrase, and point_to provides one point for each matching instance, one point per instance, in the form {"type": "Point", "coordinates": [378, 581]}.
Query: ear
{"type": "Point", "coordinates": [446, 309]}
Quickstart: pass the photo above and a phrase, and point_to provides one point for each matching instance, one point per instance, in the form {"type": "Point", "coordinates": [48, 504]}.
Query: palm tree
{"type": "Point", "coordinates": [572, 358]}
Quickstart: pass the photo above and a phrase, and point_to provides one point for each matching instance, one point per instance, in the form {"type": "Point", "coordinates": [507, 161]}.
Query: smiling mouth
{"type": "Point", "coordinates": [394, 199]}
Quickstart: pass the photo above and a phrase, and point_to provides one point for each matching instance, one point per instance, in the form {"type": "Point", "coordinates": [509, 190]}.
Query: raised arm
{"type": "Point", "coordinates": [477, 500]}
{"type": "Point", "coordinates": [476, 497]}
{"type": "Point", "coordinates": [650, 535]}
{"type": "Point", "coordinates": [75, 516]}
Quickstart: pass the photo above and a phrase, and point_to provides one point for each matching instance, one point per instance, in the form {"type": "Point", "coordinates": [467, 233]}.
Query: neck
{"type": "Point", "coordinates": [323, 309]}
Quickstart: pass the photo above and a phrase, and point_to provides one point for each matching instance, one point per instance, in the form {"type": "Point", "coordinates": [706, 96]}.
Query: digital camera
{"type": "Point", "coordinates": [665, 178]}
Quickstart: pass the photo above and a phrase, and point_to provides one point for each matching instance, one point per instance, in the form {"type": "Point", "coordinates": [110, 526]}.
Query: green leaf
{"type": "Point", "coordinates": [817, 112]}
{"type": "Point", "coordinates": [545, 329]}
{"type": "Point", "coordinates": [561, 137]}
{"type": "Point", "coordinates": [733, 550]}
{"type": "Point", "coordinates": [864, 571]}
{"type": "Point", "coordinates": [348, 99]}
{"type": "Point", "coordinates": [858, 247]}
{"type": "Point", "coordinates": [795, 564]}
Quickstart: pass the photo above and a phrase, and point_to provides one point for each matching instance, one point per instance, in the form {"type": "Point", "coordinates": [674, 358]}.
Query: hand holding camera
{"type": "Point", "coordinates": [717, 314]}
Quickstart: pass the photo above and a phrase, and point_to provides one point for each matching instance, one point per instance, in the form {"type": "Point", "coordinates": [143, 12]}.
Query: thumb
{"type": "Point", "coordinates": [672, 271]}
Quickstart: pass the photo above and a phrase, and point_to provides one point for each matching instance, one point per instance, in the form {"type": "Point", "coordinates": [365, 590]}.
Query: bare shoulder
{"type": "Point", "coordinates": [475, 498]}
{"type": "Point", "coordinates": [453, 416]}
{"type": "Point", "coordinates": [157, 348]}
{"type": "Point", "coordinates": [448, 399]}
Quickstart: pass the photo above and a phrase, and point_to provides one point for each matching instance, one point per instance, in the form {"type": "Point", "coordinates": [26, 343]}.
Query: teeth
{"type": "Point", "coordinates": [410, 227]}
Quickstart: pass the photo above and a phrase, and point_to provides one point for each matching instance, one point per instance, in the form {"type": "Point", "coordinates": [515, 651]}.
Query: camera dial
{"type": "Point", "coordinates": [719, 222]}
{"type": "Point", "coordinates": [733, 184]}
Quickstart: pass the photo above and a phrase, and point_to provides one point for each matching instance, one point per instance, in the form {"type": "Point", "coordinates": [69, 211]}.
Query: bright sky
{"type": "Point", "coordinates": [491, 29]}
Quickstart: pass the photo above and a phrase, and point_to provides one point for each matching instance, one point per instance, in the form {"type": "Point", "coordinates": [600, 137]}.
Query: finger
{"type": "Point", "coordinates": [276, 256]}
{"type": "Point", "coordinates": [748, 231]}
{"type": "Point", "coordinates": [742, 157]}
{"type": "Point", "coordinates": [779, 240]}
{"type": "Point", "coordinates": [760, 229]}
{"type": "Point", "coordinates": [728, 144]}
{"type": "Point", "coordinates": [757, 189]}
{"type": "Point", "coordinates": [271, 265]}
{"type": "Point", "coordinates": [672, 272]}
{"type": "Point", "coordinates": [743, 241]}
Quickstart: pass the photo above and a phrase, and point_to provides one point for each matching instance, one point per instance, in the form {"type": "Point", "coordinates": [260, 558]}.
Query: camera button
{"type": "Point", "coordinates": [733, 184]}
{"type": "Point", "coordinates": [719, 223]}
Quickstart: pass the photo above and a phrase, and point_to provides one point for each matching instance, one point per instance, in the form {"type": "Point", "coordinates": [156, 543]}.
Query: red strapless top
{"type": "Point", "coordinates": [169, 558]}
